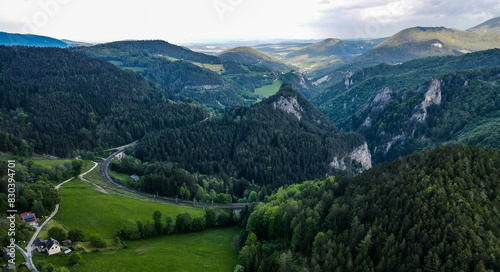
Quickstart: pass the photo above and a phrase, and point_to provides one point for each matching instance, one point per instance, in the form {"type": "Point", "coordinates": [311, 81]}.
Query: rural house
{"type": "Point", "coordinates": [29, 218]}
{"type": "Point", "coordinates": [40, 244]}
{"type": "Point", "coordinates": [52, 247]}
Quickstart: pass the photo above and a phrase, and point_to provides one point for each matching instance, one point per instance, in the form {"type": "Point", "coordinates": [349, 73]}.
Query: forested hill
{"type": "Point", "coordinates": [283, 139]}
{"type": "Point", "coordinates": [159, 47]}
{"type": "Point", "coordinates": [382, 103]}
{"type": "Point", "coordinates": [55, 101]}
{"type": "Point", "coordinates": [248, 55]}
{"type": "Point", "coordinates": [30, 40]}
{"type": "Point", "coordinates": [432, 211]}
{"type": "Point", "coordinates": [208, 79]}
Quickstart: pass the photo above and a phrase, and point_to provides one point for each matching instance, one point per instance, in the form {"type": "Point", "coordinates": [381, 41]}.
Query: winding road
{"type": "Point", "coordinates": [105, 174]}
{"type": "Point", "coordinates": [30, 247]}
{"type": "Point", "coordinates": [108, 178]}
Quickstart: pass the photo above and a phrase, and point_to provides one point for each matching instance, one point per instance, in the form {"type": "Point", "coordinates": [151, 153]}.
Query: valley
{"type": "Point", "coordinates": [377, 153]}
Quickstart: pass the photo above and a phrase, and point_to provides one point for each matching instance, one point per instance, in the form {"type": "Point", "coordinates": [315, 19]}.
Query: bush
{"type": "Point", "coordinates": [183, 222]}
{"type": "Point", "coordinates": [57, 233]}
{"type": "Point", "coordinates": [75, 235]}
{"type": "Point", "coordinates": [97, 241]}
{"type": "Point", "coordinates": [210, 217]}
{"type": "Point", "coordinates": [74, 258]}
{"type": "Point", "coordinates": [198, 224]}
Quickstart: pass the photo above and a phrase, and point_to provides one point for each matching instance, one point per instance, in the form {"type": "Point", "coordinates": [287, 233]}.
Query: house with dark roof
{"type": "Point", "coordinates": [52, 247]}
{"type": "Point", "coordinates": [29, 218]}
{"type": "Point", "coordinates": [40, 244]}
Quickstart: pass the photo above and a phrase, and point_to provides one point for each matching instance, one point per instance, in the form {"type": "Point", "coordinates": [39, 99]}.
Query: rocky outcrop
{"type": "Point", "coordinates": [362, 155]}
{"type": "Point", "coordinates": [289, 105]}
{"type": "Point", "coordinates": [319, 81]}
{"type": "Point", "coordinates": [348, 80]}
{"type": "Point", "coordinates": [358, 160]}
{"type": "Point", "coordinates": [432, 97]}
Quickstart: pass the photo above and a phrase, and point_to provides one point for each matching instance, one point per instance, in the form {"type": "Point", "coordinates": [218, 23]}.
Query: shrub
{"type": "Point", "coordinates": [74, 258]}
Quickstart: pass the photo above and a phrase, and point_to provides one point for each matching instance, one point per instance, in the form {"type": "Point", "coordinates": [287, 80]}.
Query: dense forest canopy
{"type": "Point", "coordinates": [432, 211]}
{"type": "Point", "coordinates": [281, 140]}
{"type": "Point", "coordinates": [56, 101]}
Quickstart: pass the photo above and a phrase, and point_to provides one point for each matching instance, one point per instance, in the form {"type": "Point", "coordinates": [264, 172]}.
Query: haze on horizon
{"type": "Point", "coordinates": [190, 21]}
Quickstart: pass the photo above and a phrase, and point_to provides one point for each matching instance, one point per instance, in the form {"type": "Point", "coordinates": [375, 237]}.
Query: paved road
{"type": "Point", "coordinates": [108, 178]}
{"type": "Point", "coordinates": [30, 247]}
{"type": "Point", "coordinates": [27, 257]}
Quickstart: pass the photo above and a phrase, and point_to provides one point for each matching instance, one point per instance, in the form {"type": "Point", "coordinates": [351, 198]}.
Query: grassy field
{"type": "Point", "coordinates": [210, 250]}
{"type": "Point", "coordinates": [135, 69]}
{"type": "Point", "coordinates": [115, 62]}
{"type": "Point", "coordinates": [52, 223]}
{"type": "Point", "coordinates": [218, 68]}
{"type": "Point", "coordinates": [94, 212]}
{"type": "Point", "coordinates": [268, 90]}
{"type": "Point", "coordinates": [119, 176]}
{"type": "Point", "coordinates": [46, 163]}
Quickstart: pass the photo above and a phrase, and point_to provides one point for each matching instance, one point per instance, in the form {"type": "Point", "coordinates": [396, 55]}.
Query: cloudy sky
{"type": "Point", "coordinates": [183, 21]}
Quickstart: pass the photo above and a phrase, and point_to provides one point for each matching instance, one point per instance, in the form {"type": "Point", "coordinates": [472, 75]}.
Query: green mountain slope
{"type": "Point", "coordinates": [248, 55]}
{"type": "Point", "coordinates": [161, 48]}
{"type": "Point", "coordinates": [208, 79]}
{"type": "Point", "coordinates": [283, 139]}
{"type": "Point", "coordinates": [490, 26]}
{"type": "Point", "coordinates": [379, 102]}
{"type": "Point", "coordinates": [432, 211]}
{"type": "Point", "coordinates": [328, 54]}
{"type": "Point", "coordinates": [421, 42]}
{"type": "Point", "coordinates": [55, 101]}
{"type": "Point", "coordinates": [29, 40]}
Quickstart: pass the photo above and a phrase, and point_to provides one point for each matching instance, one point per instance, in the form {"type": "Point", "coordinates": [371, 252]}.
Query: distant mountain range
{"type": "Point", "coordinates": [30, 40]}
{"type": "Point", "coordinates": [490, 26]}
{"type": "Point", "coordinates": [418, 42]}
{"type": "Point", "coordinates": [36, 40]}
{"type": "Point", "coordinates": [248, 55]}
{"type": "Point", "coordinates": [328, 53]}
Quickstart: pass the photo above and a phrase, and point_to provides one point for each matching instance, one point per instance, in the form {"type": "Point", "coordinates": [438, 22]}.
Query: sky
{"type": "Point", "coordinates": [191, 21]}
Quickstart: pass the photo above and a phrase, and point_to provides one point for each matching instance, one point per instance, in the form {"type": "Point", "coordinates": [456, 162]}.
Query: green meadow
{"type": "Point", "coordinates": [94, 212]}
{"type": "Point", "coordinates": [209, 250]}
{"type": "Point", "coordinates": [268, 90]}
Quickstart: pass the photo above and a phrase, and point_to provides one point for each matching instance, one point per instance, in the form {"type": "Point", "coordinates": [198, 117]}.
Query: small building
{"type": "Point", "coordinates": [134, 178]}
{"type": "Point", "coordinates": [40, 244]}
{"type": "Point", "coordinates": [121, 155]}
{"type": "Point", "coordinates": [31, 180]}
{"type": "Point", "coordinates": [66, 242]}
{"type": "Point", "coordinates": [52, 247]}
{"type": "Point", "coordinates": [29, 218]}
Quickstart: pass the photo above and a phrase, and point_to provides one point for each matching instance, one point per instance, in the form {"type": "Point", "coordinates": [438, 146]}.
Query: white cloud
{"type": "Point", "coordinates": [188, 20]}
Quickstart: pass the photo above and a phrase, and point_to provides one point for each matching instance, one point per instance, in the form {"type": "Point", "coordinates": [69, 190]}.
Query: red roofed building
{"type": "Point", "coordinates": [29, 218]}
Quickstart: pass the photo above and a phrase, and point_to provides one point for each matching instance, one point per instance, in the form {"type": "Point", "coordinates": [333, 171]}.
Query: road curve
{"type": "Point", "coordinates": [108, 178]}
{"type": "Point", "coordinates": [29, 248]}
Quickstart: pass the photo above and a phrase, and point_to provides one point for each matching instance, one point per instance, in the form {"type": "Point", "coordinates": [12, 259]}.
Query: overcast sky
{"type": "Point", "coordinates": [183, 21]}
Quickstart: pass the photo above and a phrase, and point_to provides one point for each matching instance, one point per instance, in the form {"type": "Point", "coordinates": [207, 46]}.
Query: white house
{"type": "Point", "coordinates": [52, 246]}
